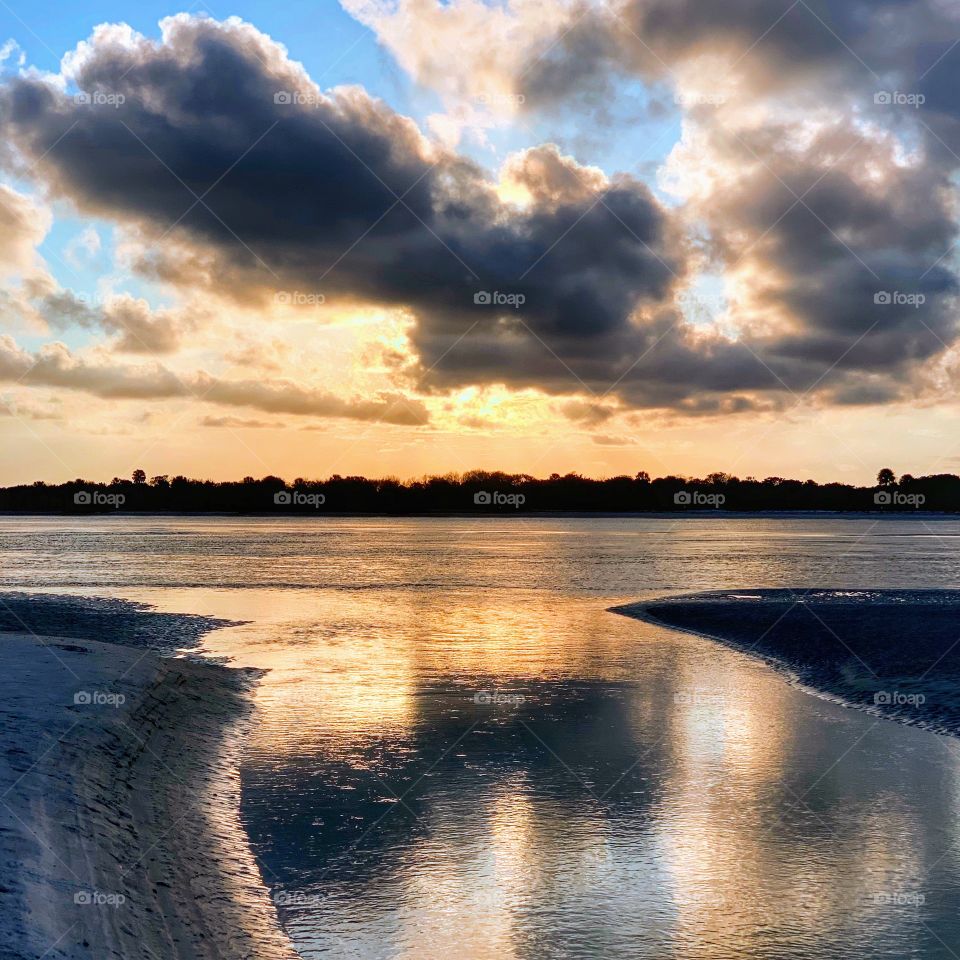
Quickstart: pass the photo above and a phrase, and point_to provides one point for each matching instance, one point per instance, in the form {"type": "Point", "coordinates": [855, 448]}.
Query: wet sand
{"type": "Point", "coordinates": [892, 653]}
{"type": "Point", "coordinates": [119, 826]}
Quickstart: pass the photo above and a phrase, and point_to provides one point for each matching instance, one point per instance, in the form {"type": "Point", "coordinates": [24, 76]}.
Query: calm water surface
{"type": "Point", "coordinates": [460, 753]}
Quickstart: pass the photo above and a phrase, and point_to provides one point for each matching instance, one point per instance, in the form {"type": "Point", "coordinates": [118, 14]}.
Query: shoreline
{"type": "Point", "coordinates": [499, 514]}
{"type": "Point", "coordinates": [890, 692]}
{"type": "Point", "coordinates": [121, 822]}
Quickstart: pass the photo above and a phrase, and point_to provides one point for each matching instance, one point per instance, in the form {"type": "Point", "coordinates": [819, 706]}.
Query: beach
{"type": "Point", "coordinates": [119, 821]}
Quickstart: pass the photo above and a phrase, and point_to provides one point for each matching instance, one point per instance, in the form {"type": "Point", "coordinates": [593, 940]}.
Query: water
{"type": "Point", "coordinates": [461, 753]}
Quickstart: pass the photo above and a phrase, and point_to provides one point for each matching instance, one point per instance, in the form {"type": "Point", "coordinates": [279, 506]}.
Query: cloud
{"type": "Point", "coordinates": [82, 248]}
{"type": "Point", "coordinates": [138, 327]}
{"type": "Point", "coordinates": [799, 155]}
{"type": "Point", "coordinates": [10, 51]}
{"type": "Point", "coordinates": [316, 189]}
{"type": "Point", "coordinates": [236, 173]}
{"type": "Point", "coordinates": [831, 246]}
{"type": "Point", "coordinates": [237, 422]}
{"type": "Point", "coordinates": [549, 179]}
{"type": "Point", "coordinates": [290, 398]}
{"type": "Point", "coordinates": [842, 47]}
{"type": "Point", "coordinates": [23, 224]}
{"type": "Point", "coordinates": [471, 53]}
{"type": "Point", "coordinates": [55, 366]}
{"type": "Point", "coordinates": [259, 353]}
{"type": "Point", "coordinates": [818, 162]}
{"type": "Point", "coordinates": [589, 414]}
{"type": "Point", "coordinates": [15, 408]}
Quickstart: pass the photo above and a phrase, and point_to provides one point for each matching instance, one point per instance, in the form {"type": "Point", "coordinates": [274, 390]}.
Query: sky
{"type": "Point", "coordinates": [399, 237]}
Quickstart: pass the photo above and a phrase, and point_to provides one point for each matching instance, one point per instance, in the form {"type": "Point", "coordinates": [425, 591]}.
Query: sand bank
{"type": "Point", "coordinates": [119, 791]}
{"type": "Point", "coordinates": [893, 653]}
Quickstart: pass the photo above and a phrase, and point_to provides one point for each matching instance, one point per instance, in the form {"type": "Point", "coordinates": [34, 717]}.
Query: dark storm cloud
{"type": "Point", "coordinates": [304, 194]}
{"type": "Point", "coordinates": [214, 144]}
{"type": "Point", "coordinates": [316, 178]}
{"type": "Point", "coordinates": [775, 42]}
{"type": "Point", "coordinates": [850, 256]}
{"type": "Point", "coordinates": [846, 239]}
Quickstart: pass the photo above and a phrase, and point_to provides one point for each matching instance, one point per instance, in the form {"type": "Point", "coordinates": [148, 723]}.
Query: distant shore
{"type": "Point", "coordinates": [485, 493]}
{"type": "Point", "coordinates": [514, 514]}
{"type": "Point", "coordinates": [891, 653]}
{"type": "Point", "coordinates": [120, 824]}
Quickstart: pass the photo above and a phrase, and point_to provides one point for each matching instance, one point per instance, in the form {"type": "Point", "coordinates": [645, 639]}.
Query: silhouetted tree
{"type": "Point", "coordinates": [485, 492]}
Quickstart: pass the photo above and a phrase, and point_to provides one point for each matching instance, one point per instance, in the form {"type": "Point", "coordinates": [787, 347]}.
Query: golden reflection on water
{"type": "Point", "coordinates": [731, 871]}
{"type": "Point", "coordinates": [362, 674]}
{"type": "Point", "coordinates": [702, 808]}
{"type": "Point", "coordinates": [470, 896]}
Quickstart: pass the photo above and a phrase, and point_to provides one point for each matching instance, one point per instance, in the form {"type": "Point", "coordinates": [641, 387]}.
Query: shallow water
{"type": "Point", "coordinates": [462, 753]}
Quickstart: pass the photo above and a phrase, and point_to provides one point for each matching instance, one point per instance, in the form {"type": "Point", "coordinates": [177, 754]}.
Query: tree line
{"type": "Point", "coordinates": [484, 492]}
